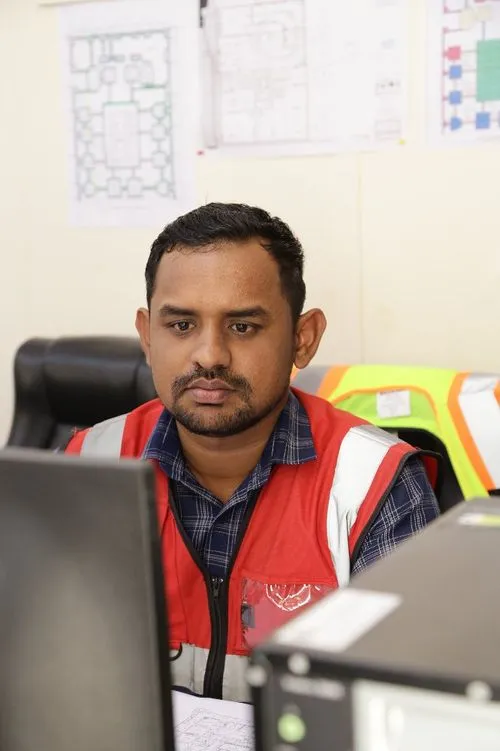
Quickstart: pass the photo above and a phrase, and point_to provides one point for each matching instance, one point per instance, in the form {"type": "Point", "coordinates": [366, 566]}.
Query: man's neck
{"type": "Point", "coordinates": [221, 464]}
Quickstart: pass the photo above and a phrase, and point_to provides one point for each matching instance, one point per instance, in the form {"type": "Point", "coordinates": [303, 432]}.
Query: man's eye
{"type": "Point", "coordinates": [242, 328]}
{"type": "Point", "coordinates": [181, 326]}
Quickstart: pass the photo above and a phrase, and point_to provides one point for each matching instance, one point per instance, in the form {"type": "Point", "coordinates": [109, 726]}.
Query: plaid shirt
{"type": "Point", "coordinates": [213, 526]}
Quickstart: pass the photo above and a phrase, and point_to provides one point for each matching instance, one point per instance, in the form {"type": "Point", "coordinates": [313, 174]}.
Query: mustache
{"type": "Point", "coordinates": [234, 381]}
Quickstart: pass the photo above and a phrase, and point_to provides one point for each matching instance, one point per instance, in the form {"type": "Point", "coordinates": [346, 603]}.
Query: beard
{"type": "Point", "coordinates": [224, 425]}
{"type": "Point", "coordinates": [215, 421]}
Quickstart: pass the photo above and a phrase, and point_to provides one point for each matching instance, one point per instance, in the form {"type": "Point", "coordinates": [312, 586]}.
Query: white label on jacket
{"type": "Point", "coordinates": [393, 404]}
{"type": "Point", "coordinates": [338, 621]}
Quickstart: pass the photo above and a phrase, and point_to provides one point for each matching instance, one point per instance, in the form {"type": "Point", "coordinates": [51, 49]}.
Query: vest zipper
{"type": "Point", "coordinates": [214, 674]}
{"type": "Point", "coordinates": [217, 591]}
{"type": "Point", "coordinates": [218, 642]}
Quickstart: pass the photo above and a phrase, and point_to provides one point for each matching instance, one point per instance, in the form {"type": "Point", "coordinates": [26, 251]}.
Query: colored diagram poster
{"type": "Point", "coordinates": [464, 88]}
{"type": "Point", "coordinates": [131, 74]}
{"type": "Point", "coordinates": [304, 76]}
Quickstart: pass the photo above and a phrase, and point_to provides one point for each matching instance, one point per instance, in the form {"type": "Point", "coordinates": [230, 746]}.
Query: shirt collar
{"type": "Point", "coordinates": [291, 441]}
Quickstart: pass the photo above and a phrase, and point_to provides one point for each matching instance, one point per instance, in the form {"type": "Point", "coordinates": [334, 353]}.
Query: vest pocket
{"type": "Point", "coordinates": [265, 607]}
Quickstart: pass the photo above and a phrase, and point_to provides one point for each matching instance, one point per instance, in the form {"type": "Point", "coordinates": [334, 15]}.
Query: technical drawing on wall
{"type": "Point", "coordinates": [465, 70]}
{"type": "Point", "coordinates": [133, 148]}
{"type": "Point", "coordinates": [305, 75]}
{"type": "Point", "coordinates": [121, 96]}
{"type": "Point", "coordinates": [205, 730]}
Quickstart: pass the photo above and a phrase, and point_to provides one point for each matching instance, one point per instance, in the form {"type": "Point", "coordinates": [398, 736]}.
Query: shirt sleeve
{"type": "Point", "coordinates": [409, 507]}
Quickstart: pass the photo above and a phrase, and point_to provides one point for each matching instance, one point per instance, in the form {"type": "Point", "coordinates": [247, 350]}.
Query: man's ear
{"type": "Point", "coordinates": [142, 326]}
{"type": "Point", "coordinates": [309, 332]}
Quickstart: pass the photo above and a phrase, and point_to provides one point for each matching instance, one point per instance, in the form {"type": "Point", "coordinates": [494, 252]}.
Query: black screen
{"type": "Point", "coordinates": [83, 660]}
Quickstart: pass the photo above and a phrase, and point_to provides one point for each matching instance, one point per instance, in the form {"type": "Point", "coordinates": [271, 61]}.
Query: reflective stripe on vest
{"type": "Point", "coordinates": [481, 413]}
{"type": "Point", "coordinates": [105, 439]}
{"type": "Point", "coordinates": [188, 670]}
{"type": "Point", "coordinates": [360, 457]}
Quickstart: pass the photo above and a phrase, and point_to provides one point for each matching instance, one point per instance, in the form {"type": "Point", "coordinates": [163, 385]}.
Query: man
{"type": "Point", "coordinates": [268, 498]}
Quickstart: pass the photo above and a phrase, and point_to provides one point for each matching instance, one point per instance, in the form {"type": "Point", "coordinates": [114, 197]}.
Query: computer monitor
{"type": "Point", "coordinates": [84, 663]}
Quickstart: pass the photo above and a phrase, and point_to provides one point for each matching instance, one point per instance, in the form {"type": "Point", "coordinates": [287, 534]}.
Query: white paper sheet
{"type": "Point", "coordinates": [464, 71]}
{"type": "Point", "coordinates": [305, 76]}
{"type": "Point", "coordinates": [210, 725]}
{"type": "Point", "coordinates": [131, 75]}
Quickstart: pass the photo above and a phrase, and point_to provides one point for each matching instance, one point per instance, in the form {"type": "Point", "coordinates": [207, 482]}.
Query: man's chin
{"type": "Point", "coordinates": [211, 422]}
{"type": "Point", "coordinates": [222, 421]}
{"type": "Point", "coordinates": [213, 430]}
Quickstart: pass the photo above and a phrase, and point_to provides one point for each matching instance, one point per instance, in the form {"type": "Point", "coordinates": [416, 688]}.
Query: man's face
{"type": "Point", "coordinates": [221, 337]}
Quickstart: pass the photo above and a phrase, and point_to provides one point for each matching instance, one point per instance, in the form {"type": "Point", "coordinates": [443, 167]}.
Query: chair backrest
{"type": "Point", "coordinates": [62, 384]}
{"type": "Point", "coordinates": [449, 492]}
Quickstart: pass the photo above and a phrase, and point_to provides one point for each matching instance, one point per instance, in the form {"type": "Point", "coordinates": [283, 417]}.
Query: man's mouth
{"type": "Point", "coordinates": [205, 391]}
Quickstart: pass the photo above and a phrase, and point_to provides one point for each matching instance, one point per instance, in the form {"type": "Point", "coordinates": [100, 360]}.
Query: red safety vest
{"type": "Point", "coordinates": [301, 535]}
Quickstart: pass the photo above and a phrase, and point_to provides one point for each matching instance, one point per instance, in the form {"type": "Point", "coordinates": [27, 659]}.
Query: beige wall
{"type": "Point", "coordinates": [403, 247]}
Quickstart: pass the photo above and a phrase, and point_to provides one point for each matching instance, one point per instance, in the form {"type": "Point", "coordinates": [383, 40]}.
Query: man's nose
{"type": "Point", "coordinates": [212, 350]}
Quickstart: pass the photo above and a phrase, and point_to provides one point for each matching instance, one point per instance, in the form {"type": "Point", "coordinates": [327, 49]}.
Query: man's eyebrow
{"type": "Point", "coordinates": [172, 310]}
{"type": "Point", "coordinates": [256, 312]}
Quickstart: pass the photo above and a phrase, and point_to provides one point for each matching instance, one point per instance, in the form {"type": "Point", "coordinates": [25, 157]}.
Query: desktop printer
{"type": "Point", "coordinates": [406, 658]}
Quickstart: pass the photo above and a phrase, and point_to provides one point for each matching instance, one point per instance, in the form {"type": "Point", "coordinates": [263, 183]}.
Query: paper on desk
{"type": "Point", "coordinates": [211, 725]}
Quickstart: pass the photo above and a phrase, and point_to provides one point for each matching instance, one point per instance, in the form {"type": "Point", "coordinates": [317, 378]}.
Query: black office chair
{"type": "Point", "coordinates": [62, 384]}
{"type": "Point", "coordinates": [448, 492]}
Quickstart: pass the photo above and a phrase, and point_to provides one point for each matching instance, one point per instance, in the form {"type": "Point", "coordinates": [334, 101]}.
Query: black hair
{"type": "Point", "coordinates": [219, 222]}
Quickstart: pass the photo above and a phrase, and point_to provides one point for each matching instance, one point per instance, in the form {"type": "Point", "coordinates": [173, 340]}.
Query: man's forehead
{"type": "Point", "coordinates": [231, 264]}
{"type": "Point", "coordinates": [215, 283]}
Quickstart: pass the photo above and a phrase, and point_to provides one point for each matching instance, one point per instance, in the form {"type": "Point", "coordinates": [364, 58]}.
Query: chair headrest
{"type": "Point", "coordinates": [83, 380]}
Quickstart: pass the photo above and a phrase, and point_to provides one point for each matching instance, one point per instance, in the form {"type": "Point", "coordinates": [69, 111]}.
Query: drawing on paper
{"type": "Point", "coordinates": [204, 730]}
{"type": "Point", "coordinates": [122, 115]}
{"type": "Point", "coordinates": [261, 53]}
{"type": "Point", "coordinates": [302, 74]}
{"type": "Point", "coordinates": [470, 69]}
